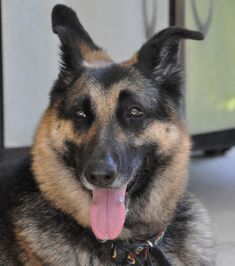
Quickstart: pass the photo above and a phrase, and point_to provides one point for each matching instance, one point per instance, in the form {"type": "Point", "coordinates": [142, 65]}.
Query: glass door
{"type": "Point", "coordinates": [210, 66]}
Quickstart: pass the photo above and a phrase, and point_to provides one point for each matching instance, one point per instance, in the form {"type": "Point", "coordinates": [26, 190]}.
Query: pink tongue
{"type": "Point", "coordinates": [107, 212]}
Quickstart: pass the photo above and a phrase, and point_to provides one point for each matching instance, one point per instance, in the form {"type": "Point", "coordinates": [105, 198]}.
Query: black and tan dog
{"type": "Point", "coordinates": [108, 167]}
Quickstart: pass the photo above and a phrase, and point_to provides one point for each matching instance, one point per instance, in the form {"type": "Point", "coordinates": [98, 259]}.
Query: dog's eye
{"type": "Point", "coordinates": [80, 114]}
{"type": "Point", "coordinates": [135, 112]}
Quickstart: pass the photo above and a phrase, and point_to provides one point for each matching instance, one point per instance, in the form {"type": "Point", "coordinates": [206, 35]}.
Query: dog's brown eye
{"type": "Point", "coordinates": [136, 112]}
{"type": "Point", "coordinates": [80, 114]}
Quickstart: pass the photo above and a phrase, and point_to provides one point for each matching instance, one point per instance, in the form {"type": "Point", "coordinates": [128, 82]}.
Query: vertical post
{"type": "Point", "coordinates": [1, 85]}
{"type": "Point", "coordinates": [177, 18]}
{"type": "Point", "coordinates": [172, 15]}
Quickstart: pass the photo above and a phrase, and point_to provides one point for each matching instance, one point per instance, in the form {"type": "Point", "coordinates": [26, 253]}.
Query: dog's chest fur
{"type": "Point", "coordinates": [52, 238]}
{"type": "Point", "coordinates": [49, 237]}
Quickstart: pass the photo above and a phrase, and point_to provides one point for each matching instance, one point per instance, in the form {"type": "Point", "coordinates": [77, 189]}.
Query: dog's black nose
{"type": "Point", "coordinates": [101, 172]}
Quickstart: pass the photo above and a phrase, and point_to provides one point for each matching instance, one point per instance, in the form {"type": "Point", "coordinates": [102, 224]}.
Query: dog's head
{"type": "Point", "coordinates": [111, 130]}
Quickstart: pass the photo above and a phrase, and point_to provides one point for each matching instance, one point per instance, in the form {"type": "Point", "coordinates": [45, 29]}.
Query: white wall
{"type": "Point", "coordinates": [30, 54]}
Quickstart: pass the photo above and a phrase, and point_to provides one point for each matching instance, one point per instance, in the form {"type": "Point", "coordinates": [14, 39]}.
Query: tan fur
{"type": "Point", "coordinates": [27, 255]}
{"type": "Point", "coordinates": [56, 182]}
{"type": "Point", "coordinates": [166, 134]}
{"type": "Point", "coordinates": [91, 55]}
{"type": "Point", "coordinates": [106, 103]}
{"type": "Point", "coordinates": [169, 186]}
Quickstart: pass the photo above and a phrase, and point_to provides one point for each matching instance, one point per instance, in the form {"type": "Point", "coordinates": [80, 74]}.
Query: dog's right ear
{"type": "Point", "coordinates": [76, 44]}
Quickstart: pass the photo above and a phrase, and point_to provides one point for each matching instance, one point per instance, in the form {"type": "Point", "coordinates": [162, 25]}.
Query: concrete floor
{"type": "Point", "coordinates": [213, 181]}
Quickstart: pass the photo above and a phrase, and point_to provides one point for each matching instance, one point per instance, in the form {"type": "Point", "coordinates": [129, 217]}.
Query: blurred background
{"type": "Point", "coordinates": [29, 63]}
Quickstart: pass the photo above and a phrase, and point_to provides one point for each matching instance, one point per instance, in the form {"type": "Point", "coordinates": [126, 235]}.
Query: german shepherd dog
{"type": "Point", "coordinates": [107, 172]}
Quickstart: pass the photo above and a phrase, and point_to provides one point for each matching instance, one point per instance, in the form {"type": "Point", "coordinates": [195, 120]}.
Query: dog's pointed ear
{"type": "Point", "coordinates": [161, 51]}
{"type": "Point", "coordinates": [76, 44]}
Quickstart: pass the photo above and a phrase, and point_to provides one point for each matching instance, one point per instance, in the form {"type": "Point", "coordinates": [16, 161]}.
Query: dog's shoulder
{"type": "Point", "coordinates": [190, 232]}
{"type": "Point", "coordinates": [16, 179]}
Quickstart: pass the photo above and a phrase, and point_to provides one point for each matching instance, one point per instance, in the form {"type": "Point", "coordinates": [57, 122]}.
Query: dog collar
{"type": "Point", "coordinates": [140, 253]}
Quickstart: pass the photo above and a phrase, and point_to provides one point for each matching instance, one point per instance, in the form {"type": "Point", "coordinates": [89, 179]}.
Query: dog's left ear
{"type": "Point", "coordinates": [161, 51]}
{"type": "Point", "coordinates": [76, 44]}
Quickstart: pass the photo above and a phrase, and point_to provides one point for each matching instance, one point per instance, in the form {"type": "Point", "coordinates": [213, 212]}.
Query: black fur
{"type": "Point", "coordinates": [109, 75]}
{"type": "Point", "coordinates": [16, 181]}
{"type": "Point", "coordinates": [162, 48]}
{"type": "Point", "coordinates": [152, 107]}
{"type": "Point", "coordinates": [71, 33]}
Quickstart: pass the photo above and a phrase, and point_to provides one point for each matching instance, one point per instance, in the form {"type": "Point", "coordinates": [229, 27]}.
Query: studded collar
{"type": "Point", "coordinates": [143, 253]}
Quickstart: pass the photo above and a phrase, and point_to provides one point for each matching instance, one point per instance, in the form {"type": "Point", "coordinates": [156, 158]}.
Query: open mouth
{"type": "Point", "coordinates": [107, 211]}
